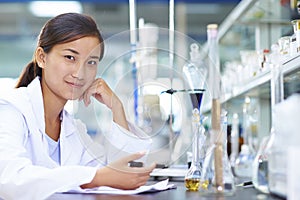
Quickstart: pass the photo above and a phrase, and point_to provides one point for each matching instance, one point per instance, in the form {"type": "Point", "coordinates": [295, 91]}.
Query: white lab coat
{"type": "Point", "coordinates": [27, 171]}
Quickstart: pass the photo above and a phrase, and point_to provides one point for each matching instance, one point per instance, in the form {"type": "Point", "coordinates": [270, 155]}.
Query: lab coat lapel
{"type": "Point", "coordinates": [66, 140]}
{"type": "Point", "coordinates": [37, 104]}
{"type": "Point", "coordinates": [34, 116]}
{"type": "Point", "coordinates": [39, 140]}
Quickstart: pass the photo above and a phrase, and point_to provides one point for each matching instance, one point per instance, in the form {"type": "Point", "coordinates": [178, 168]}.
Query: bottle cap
{"type": "Point", "coordinates": [212, 30]}
{"type": "Point", "coordinates": [212, 26]}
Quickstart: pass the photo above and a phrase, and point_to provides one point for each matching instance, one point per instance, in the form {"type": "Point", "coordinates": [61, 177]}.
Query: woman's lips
{"type": "Point", "coordinates": [75, 85]}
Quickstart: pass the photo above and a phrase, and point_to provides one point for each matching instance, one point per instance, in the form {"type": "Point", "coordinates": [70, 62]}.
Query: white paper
{"type": "Point", "coordinates": [160, 186]}
{"type": "Point", "coordinates": [169, 172]}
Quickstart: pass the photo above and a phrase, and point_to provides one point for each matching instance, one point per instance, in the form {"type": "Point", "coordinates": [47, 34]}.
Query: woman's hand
{"type": "Point", "coordinates": [119, 175]}
{"type": "Point", "coordinates": [102, 92]}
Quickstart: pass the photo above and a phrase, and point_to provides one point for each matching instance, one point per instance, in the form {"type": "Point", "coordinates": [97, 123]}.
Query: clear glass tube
{"type": "Point", "coordinates": [234, 139]}
{"type": "Point", "coordinates": [214, 78]}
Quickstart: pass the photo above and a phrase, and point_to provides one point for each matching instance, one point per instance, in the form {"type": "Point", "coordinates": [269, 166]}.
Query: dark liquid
{"type": "Point", "coordinates": [196, 98]}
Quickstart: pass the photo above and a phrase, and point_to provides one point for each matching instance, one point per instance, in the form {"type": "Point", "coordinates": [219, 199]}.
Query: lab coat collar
{"type": "Point", "coordinates": [36, 98]}
{"type": "Point", "coordinates": [68, 127]}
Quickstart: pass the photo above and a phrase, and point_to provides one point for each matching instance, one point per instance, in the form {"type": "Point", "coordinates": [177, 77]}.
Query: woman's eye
{"type": "Point", "coordinates": [92, 62]}
{"type": "Point", "coordinates": [70, 57]}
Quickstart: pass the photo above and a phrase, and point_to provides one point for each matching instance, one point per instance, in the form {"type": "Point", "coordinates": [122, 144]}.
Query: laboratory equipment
{"type": "Point", "coordinates": [260, 167]}
{"type": "Point", "coordinates": [133, 43]}
{"type": "Point", "coordinates": [196, 77]}
{"type": "Point", "coordinates": [296, 27]}
{"type": "Point", "coordinates": [192, 178]}
{"type": "Point", "coordinates": [276, 176]}
{"type": "Point", "coordinates": [260, 176]}
{"type": "Point", "coordinates": [286, 136]}
{"type": "Point", "coordinates": [208, 183]}
{"type": "Point", "coordinates": [195, 70]}
{"type": "Point", "coordinates": [234, 137]}
{"type": "Point", "coordinates": [244, 162]}
{"type": "Point", "coordinates": [217, 177]}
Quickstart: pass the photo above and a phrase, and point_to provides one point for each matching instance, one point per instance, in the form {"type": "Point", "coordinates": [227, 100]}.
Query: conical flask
{"type": "Point", "coordinates": [193, 176]}
{"type": "Point", "coordinates": [208, 182]}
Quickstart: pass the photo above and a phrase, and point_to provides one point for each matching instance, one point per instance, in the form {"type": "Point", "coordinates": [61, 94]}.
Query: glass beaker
{"type": "Point", "coordinates": [208, 184]}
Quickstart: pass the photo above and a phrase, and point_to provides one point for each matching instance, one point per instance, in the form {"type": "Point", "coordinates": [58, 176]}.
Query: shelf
{"type": "Point", "coordinates": [290, 65]}
{"type": "Point", "coordinates": [291, 76]}
{"type": "Point", "coordinates": [267, 31]}
{"type": "Point", "coordinates": [265, 21]}
{"type": "Point", "coordinates": [231, 19]}
{"type": "Point", "coordinates": [254, 83]}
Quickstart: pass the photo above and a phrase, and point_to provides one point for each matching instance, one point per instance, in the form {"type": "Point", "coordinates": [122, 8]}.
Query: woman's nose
{"type": "Point", "coordinates": [78, 71]}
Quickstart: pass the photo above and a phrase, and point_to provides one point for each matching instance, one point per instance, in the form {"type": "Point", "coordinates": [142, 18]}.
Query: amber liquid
{"type": "Point", "coordinates": [192, 184]}
{"type": "Point", "coordinates": [204, 184]}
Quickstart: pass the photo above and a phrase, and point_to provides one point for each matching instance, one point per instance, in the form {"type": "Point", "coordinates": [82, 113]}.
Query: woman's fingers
{"type": "Point", "coordinates": [134, 156]}
{"type": "Point", "coordinates": [101, 91]}
{"type": "Point", "coordinates": [88, 93]}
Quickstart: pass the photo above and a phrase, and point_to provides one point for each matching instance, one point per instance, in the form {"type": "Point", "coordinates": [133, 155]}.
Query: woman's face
{"type": "Point", "coordinates": [70, 68]}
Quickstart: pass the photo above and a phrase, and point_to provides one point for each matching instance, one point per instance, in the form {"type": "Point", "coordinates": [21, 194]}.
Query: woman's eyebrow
{"type": "Point", "coordinates": [95, 57]}
{"type": "Point", "coordinates": [72, 50]}
{"type": "Point", "coordinates": [77, 53]}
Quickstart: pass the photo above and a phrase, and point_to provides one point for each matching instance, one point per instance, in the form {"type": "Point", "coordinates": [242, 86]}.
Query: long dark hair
{"type": "Point", "coordinates": [58, 30]}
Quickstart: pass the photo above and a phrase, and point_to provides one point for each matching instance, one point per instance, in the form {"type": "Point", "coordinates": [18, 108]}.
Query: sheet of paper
{"type": "Point", "coordinates": [160, 186]}
{"type": "Point", "coordinates": [169, 172]}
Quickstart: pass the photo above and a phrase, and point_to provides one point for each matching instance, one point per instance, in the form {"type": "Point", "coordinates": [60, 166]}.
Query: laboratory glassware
{"type": "Point", "coordinates": [193, 176]}
{"type": "Point", "coordinates": [208, 184]}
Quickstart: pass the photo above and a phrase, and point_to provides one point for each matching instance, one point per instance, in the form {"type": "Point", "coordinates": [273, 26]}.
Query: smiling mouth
{"type": "Point", "coordinates": [75, 85]}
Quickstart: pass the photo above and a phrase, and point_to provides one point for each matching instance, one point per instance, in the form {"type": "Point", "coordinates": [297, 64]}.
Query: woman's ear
{"type": "Point", "coordinates": [40, 57]}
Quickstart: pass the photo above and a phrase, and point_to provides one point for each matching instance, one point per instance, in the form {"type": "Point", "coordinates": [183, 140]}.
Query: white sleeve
{"type": "Point", "coordinates": [94, 153]}
{"type": "Point", "coordinates": [19, 178]}
{"type": "Point", "coordinates": [121, 142]}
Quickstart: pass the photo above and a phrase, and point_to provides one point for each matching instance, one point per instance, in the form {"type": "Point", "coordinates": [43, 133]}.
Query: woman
{"type": "Point", "coordinates": [41, 148]}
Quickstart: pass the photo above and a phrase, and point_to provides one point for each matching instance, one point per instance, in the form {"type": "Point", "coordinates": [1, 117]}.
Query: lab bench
{"type": "Point", "coordinates": [180, 193]}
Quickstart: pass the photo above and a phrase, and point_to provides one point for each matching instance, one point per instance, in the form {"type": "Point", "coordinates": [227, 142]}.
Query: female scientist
{"type": "Point", "coordinates": [44, 150]}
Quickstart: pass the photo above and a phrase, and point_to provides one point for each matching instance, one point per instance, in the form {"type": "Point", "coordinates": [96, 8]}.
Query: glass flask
{"type": "Point", "coordinates": [192, 178]}
{"type": "Point", "coordinates": [260, 167]}
{"type": "Point", "coordinates": [208, 179]}
{"type": "Point", "coordinates": [244, 161]}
